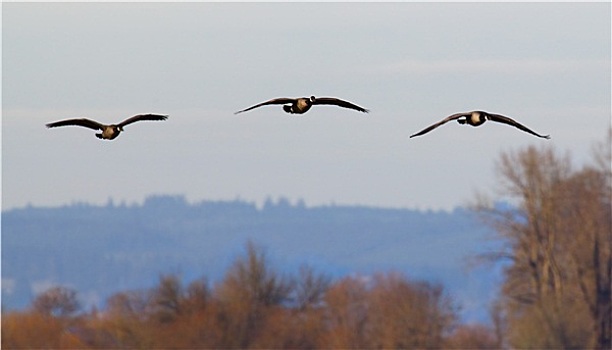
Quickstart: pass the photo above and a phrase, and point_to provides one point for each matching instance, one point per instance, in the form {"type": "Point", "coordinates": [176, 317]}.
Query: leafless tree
{"type": "Point", "coordinates": [57, 301]}
{"type": "Point", "coordinates": [310, 288]}
{"type": "Point", "coordinates": [250, 290]}
{"type": "Point", "coordinates": [557, 287]}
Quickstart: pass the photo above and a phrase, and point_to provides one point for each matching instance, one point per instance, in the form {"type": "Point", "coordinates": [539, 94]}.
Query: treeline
{"type": "Point", "coordinates": [253, 306]}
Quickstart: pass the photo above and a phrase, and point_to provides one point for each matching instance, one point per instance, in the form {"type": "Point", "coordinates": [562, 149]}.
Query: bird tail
{"type": "Point", "coordinates": [287, 109]}
{"type": "Point", "coordinates": [99, 136]}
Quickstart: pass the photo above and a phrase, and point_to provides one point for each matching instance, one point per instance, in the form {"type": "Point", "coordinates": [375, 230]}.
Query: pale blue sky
{"type": "Point", "coordinates": [546, 65]}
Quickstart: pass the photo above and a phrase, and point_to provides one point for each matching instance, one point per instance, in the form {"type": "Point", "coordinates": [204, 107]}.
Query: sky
{"type": "Point", "coordinates": [546, 65]}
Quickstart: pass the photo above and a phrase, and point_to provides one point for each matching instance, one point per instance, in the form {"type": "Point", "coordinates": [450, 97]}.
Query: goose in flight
{"type": "Point", "coordinates": [302, 105]}
{"type": "Point", "coordinates": [111, 131]}
{"type": "Point", "coordinates": [477, 118]}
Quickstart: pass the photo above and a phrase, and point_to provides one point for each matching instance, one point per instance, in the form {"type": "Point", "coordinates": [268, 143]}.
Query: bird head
{"type": "Point", "coordinates": [312, 98]}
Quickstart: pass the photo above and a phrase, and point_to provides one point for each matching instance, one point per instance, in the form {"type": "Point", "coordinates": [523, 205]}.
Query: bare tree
{"type": "Point", "coordinates": [128, 305]}
{"type": "Point", "coordinates": [57, 301]}
{"type": "Point", "coordinates": [346, 315]}
{"type": "Point", "coordinates": [197, 295]}
{"type": "Point", "coordinates": [310, 288]}
{"type": "Point", "coordinates": [166, 298]}
{"type": "Point", "coordinates": [557, 287]}
{"type": "Point", "coordinates": [405, 314]}
{"type": "Point", "coordinates": [249, 291]}
{"type": "Point", "coordinates": [588, 213]}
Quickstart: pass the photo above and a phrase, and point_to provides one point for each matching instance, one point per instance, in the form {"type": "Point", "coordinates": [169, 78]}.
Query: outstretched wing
{"type": "Point", "coordinates": [445, 120]}
{"type": "Point", "coordinates": [274, 101]}
{"type": "Point", "coordinates": [88, 123]}
{"type": "Point", "coordinates": [506, 120]}
{"type": "Point", "coordinates": [139, 117]}
{"type": "Point", "coordinates": [338, 102]}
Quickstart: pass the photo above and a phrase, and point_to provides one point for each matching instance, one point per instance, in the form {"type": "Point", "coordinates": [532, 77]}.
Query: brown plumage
{"type": "Point", "coordinates": [111, 131]}
{"type": "Point", "coordinates": [302, 104]}
{"type": "Point", "coordinates": [477, 118]}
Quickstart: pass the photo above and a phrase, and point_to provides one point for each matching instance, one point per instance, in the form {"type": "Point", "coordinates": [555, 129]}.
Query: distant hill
{"type": "Point", "coordinates": [100, 250]}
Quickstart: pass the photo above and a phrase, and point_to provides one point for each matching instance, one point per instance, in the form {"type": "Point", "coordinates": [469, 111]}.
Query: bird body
{"type": "Point", "coordinates": [301, 105]}
{"type": "Point", "coordinates": [110, 131]}
{"type": "Point", "coordinates": [477, 118]}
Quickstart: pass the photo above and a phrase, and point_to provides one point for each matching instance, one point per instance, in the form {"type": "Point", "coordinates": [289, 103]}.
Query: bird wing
{"type": "Point", "coordinates": [506, 120]}
{"type": "Point", "coordinates": [338, 102]}
{"type": "Point", "coordinates": [274, 101]}
{"type": "Point", "coordinates": [445, 120]}
{"type": "Point", "coordinates": [139, 117]}
{"type": "Point", "coordinates": [88, 123]}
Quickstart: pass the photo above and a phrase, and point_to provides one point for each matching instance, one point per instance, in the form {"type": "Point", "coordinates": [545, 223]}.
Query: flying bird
{"type": "Point", "coordinates": [111, 131]}
{"type": "Point", "coordinates": [477, 118]}
{"type": "Point", "coordinates": [302, 104]}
